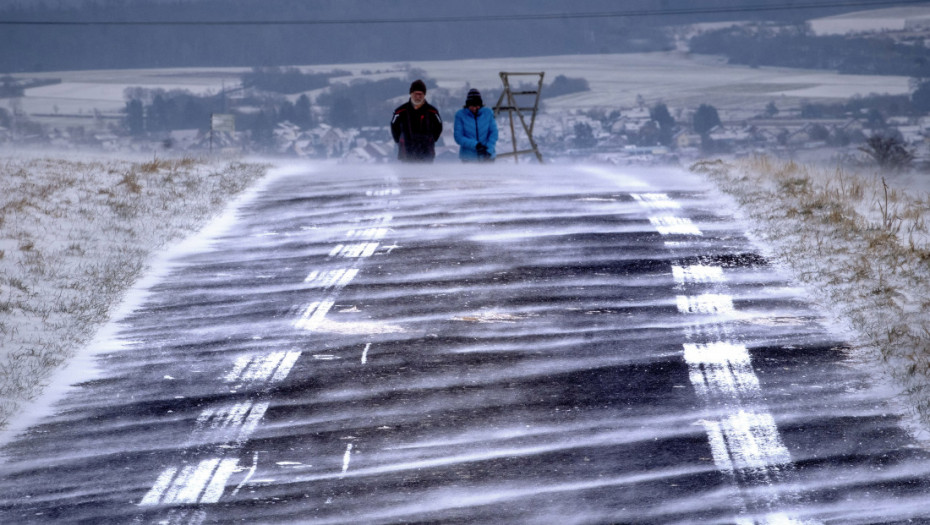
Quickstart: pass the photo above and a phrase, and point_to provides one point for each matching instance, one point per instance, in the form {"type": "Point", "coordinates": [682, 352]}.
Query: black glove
{"type": "Point", "coordinates": [482, 151]}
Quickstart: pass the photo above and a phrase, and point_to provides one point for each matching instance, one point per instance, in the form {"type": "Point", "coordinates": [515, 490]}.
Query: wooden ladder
{"type": "Point", "coordinates": [508, 102]}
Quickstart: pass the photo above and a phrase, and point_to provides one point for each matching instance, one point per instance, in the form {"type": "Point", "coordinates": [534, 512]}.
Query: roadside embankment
{"type": "Point", "coordinates": [861, 245]}
{"type": "Point", "coordinates": [75, 235]}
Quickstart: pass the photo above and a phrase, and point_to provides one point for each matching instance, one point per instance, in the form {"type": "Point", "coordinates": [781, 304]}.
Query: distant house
{"type": "Point", "coordinates": [687, 139]}
{"type": "Point", "coordinates": [729, 136]}
{"type": "Point", "coordinates": [369, 153]}
{"type": "Point", "coordinates": [614, 141]}
{"type": "Point", "coordinates": [332, 141]}
{"type": "Point", "coordinates": [911, 134]}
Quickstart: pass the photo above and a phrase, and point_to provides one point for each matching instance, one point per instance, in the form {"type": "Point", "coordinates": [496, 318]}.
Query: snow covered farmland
{"type": "Point", "coordinates": [617, 81]}
{"type": "Point", "coordinates": [891, 19]}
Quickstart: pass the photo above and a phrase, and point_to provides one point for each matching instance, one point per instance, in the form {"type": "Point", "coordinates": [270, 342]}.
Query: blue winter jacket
{"type": "Point", "coordinates": [471, 129]}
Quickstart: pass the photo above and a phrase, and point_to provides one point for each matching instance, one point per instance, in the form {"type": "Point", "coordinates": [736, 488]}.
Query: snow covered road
{"type": "Point", "coordinates": [471, 344]}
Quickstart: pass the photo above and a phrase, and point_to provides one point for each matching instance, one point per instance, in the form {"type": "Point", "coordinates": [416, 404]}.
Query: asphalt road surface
{"type": "Point", "coordinates": [472, 344]}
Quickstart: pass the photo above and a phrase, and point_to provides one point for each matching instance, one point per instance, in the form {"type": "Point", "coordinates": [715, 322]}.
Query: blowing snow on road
{"type": "Point", "coordinates": [455, 344]}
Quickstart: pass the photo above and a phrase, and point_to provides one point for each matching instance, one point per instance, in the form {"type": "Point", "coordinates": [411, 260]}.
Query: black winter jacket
{"type": "Point", "coordinates": [416, 132]}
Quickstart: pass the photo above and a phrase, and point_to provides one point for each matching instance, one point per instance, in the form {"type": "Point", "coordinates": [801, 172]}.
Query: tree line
{"type": "Point", "coordinates": [26, 48]}
{"type": "Point", "coordinates": [797, 47]}
{"type": "Point", "coordinates": [356, 103]}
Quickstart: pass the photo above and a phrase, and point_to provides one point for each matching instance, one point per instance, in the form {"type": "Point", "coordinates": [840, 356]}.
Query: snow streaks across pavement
{"type": "Point", "coordinates": [472, 344]}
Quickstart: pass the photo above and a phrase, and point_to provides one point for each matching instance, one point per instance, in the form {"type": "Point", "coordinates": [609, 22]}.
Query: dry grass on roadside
{"type": "Point", "coordinates": [75, 236]}
{"type": "Point", "coordinates": [863, 247]}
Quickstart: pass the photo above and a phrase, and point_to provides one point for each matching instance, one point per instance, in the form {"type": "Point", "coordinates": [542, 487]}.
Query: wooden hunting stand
{"type": "Point", "coordinates": [508, 102]}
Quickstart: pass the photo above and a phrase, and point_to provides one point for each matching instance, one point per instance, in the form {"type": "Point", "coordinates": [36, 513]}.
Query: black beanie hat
{"type": "Point", "coordinates": [418, 85]}
{"type": "Point", "coordinates": [473, 98]}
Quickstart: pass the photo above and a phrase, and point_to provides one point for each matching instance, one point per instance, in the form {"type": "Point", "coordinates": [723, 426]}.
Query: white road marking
{"type": "Point", "coordinates": [368, 234]}
{"type": "Point", "coordinates": [233, 425]}
{"type": "Point", "coordinates": [721, 370]}
{"type": "Point", "coordinates": [746, 440]}
{"type": "Point", "coordinates": [284, 367]}
{"type": "Point", "coordinates": [193, 485]}
{"type": "Point", "coordinates": [355, 251]}
{"type": "Point", "coordinates": [248, 476]}
{"type": "Point", "coordinates": [313, 315]}
{"type": "Point", "coordinates": [272, 367]}
{"type": "Point", "coordinates": [708, 303]}
{"type": "Point", "coordinates": [658, 201]}
{"type": "Point", "coordinates": [214, 490]}
{"type": "Point", "coordinates": [365, 353]}
{"type": "Point", "coordinates": [670, 225]}
{"type": "Point", "coordinates": [251, 423]}
{"type": "Point", "coordinates": [709, 331]}
{"type": "Point", "coordinates": [697, 273]}
{"type": "Point", "coordinates": [203, 483]}
{"type": "Point", "coordinates": [161, 485]}
{"type": "Point", "coordinates": [346, 458]}
{"type": "Point", "coordinates": [331, 279]}
{"type": "Point", "coordinates": [382, 193]}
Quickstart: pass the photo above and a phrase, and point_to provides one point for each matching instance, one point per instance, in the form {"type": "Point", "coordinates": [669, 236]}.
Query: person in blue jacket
{"type": "Point", "coordinates": [475, 129]}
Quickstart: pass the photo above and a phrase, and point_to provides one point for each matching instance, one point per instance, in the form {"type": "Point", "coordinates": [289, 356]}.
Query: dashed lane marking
{"type": "Point", "coordinates": [710, 303]}
{"type": "Point", "coordinates": [260, 368]}
{"type": "Point", "coordinates": [331, 279]}
{"type": "Point", "coordinates": [354, 251]}
{"type": "Point", "coordinates": [313, 315]}
{"type": "Point", "coordinates": [697, 273]}
{"type": "Point", "coordinates": [229, 424]}
{"type": "Point", "coordinates": [747, 441]}
{"type": "Point", "coordinates": [203, 483]}
{"type": "Point", "coordinates": [659, 201]}
{"type": "Point", "coordinates": [670, 225]}
{"type": "Point", "coordinates": [721, 370]}
{"type": "Point", "coordinates": [346, 458]}
{"type": "Point", "coordinates": [232, 425]}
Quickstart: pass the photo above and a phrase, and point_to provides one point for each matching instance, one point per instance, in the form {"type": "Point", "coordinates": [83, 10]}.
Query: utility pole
{"type": "Point", "coordinates": [509, 102]}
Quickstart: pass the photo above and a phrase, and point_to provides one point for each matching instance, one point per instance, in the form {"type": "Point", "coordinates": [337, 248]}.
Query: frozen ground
{"type": "Point", "coordinates": [76, 234]}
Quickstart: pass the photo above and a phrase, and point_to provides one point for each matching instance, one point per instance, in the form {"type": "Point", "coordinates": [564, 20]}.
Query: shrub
{"type": "Point", "coordinates": [888, 151]}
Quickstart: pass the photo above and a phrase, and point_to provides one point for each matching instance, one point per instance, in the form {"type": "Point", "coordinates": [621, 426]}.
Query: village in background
{"type": "Point", "coordinates": [342, 112]}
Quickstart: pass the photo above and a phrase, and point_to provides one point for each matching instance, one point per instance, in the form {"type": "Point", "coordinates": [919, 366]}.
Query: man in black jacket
{"type": "Point", "coordinates": [416, 126]}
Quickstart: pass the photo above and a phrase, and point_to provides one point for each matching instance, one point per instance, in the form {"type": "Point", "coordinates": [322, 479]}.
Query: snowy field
{"type": "Point", "coordinates": [877, 20]}
{"type": "Point", "coordinates": [76, 233]}
{"type": "Point", "coordinates": [680, 80]}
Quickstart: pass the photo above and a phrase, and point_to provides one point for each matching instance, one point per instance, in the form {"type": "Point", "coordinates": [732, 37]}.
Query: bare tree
{"type": "Point", "coordinates": [888, 151]}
